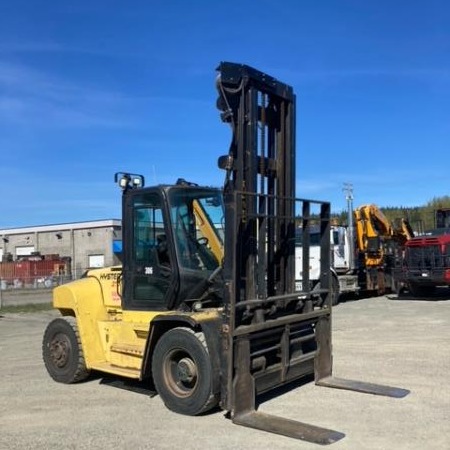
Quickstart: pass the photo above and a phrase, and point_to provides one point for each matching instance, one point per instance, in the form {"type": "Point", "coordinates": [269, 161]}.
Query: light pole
{"type": "Point", "coordinates": [348, 189]}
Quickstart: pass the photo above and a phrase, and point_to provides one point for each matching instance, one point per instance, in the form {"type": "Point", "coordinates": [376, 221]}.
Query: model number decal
{"type": "Point", "coordinates": [110, 276]}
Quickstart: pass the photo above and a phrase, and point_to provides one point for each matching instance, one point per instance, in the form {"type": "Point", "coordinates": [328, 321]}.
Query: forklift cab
{"type": "Point", "coordinates": [170, 234]}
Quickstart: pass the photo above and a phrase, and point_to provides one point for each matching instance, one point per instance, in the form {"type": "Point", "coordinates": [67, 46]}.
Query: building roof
{"type": "Point", "coordinates": [62, 227]}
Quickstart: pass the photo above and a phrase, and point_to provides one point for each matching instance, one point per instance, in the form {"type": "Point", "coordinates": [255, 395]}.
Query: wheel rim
{"type": "Point", "coordinates": [180, 373]}
{"type": "Point", "coordinates": [60, 350]}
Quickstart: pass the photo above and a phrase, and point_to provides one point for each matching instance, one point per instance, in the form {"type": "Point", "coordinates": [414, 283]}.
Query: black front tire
{"type": "Point", "coordinates": [182, 372]}
{"type": "Point", "coordinates": [62, 352]}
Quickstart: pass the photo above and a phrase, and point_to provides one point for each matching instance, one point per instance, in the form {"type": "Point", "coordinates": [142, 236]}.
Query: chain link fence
{"type": "Point", "coordinates": [23, 289]}
{"type": "Point", "coordinates": [21, 280]}
{"type": "Point", "coordinates": [34, 282]}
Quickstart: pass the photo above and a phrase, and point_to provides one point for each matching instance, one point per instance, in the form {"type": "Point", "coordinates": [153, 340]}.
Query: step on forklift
{"type": "Point", "coordinates": [204, 307]}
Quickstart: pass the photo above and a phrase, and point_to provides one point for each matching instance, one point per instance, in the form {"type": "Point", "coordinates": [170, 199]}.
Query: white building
{"type": "Point", "coordinates": [87, 244]}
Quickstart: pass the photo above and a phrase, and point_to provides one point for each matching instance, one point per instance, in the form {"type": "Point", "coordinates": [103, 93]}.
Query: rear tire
{"type": "Point", "coordinates": [62, 352]}
{"type": "Point", "coordinates": [334, 290]}
{"type": "Point", "coordinates": [182, 372]}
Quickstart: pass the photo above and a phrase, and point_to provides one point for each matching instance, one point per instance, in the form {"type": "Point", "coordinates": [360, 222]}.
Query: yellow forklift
{"type": "Point", "coordinates": [204, 306]}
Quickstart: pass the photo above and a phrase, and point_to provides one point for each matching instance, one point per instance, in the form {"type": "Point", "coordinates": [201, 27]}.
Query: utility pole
{"type": "Point", "coordinates": [348, 189]}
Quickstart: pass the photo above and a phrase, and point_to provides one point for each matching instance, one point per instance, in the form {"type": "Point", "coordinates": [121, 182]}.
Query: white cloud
{"type": "Point", "coordinates": [36, 98]}
{"type": "Point", "coordinates": [31, 97]}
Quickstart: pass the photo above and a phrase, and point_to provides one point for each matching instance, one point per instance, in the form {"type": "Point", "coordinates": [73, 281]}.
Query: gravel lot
{"type": "Point", "coordinates": [401, 342]}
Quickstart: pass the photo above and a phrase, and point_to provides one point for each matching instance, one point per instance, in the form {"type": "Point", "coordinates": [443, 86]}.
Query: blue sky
{"type": "Point", "coordinates": [91, 88]}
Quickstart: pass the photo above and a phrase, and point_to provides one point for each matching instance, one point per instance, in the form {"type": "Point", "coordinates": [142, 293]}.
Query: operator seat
{"type": "Point", "coordinates": [162, 250]}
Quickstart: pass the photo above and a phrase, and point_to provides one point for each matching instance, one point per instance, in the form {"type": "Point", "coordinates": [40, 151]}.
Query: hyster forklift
{"type": "Point", "coordinates": [204, 307]}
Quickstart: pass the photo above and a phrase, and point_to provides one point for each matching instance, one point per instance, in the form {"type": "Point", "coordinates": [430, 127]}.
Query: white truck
{"type": "Point", "coordinates": [364, 255]}
{"type": "Point", "coordinates": [344, 277]}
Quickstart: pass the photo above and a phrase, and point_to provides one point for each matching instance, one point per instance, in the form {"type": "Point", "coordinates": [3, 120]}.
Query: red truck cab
{"type": "Point", "coordinates": [426, 263]}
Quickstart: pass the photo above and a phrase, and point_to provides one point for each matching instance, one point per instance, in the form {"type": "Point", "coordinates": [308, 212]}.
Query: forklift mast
{"type": "Point", "coordinates": [271, 333]}
{"type": "Point", "coordinates": [260, 182]}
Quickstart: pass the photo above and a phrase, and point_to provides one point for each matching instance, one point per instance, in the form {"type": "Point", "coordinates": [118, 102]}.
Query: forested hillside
{"type": "Point", "coordinates": [421, 218]}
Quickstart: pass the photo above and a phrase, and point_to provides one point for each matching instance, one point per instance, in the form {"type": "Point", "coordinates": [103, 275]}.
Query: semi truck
{"type": "Point", "coordinates": [204, 307]}
{"type": "Point", "coordinates": [426, 263]}
{"type": "Point", "coordinates": [363, 257]}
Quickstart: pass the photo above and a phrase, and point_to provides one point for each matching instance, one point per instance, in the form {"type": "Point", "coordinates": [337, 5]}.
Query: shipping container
{"type": "Point", "coordinates": [32, 272]}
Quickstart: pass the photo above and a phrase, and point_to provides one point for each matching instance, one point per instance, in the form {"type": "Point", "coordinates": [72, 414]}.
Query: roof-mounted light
{"type": "Point", "coordinates": [129, 180]}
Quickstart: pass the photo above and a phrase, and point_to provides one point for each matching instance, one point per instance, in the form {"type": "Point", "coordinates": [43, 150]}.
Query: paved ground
{"type": "Point", "coordinates": [399, 342]}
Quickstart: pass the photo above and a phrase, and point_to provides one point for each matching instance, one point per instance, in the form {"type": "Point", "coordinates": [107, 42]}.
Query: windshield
{"type": "Point", "coordinates": [197, 218]}
{"type": "Point", "coordinates": [314, 237]}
